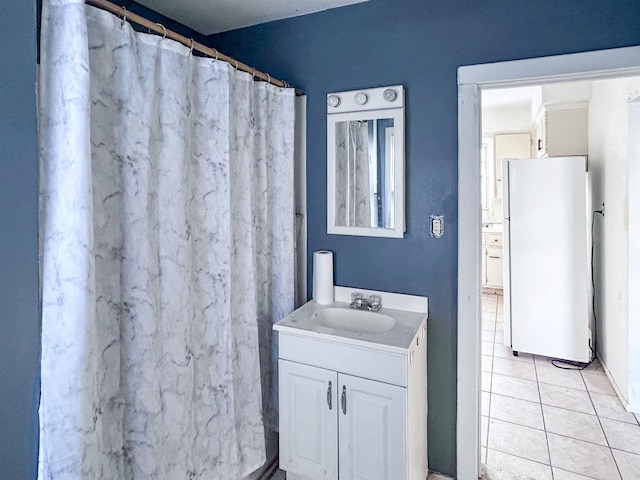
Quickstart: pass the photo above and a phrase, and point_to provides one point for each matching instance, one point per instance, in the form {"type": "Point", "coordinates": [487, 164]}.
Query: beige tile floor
{"type": "Point", "coordinates": [280, 475]}
{"type": "Point", "coordinates": [543, 423]}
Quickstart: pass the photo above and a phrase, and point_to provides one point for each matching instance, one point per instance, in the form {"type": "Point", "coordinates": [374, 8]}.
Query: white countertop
{"type": "Point", "coordinates": [399, 338]}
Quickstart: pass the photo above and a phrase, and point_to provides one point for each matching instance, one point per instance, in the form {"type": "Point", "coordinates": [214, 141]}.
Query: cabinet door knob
{"type": "Point", "coordinates": [329, 397]}
{"type": "Point", "coordinates": [344, 399]}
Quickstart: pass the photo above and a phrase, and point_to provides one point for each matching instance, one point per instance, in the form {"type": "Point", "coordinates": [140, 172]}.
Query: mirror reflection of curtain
{"type": "Point", "coordinates": [388, 220]}
{"type": "Point", "coordinates": [353, 190]}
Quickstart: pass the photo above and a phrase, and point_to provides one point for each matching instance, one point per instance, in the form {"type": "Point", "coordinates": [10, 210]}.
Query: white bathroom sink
{"type": "Point", "coordinates": [354, 320]}
{"type": "Point", "coordinates": [392, 329]}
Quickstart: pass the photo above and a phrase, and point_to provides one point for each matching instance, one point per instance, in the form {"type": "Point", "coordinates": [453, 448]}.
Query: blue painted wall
{"type": "Point", "coordinates": [419, 44]}
{"type": "Point", "coordinates": [19, 319]}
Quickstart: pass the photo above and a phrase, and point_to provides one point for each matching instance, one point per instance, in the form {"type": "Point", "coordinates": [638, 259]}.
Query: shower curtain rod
{"type": "Point", "coordinates": [160, 29]}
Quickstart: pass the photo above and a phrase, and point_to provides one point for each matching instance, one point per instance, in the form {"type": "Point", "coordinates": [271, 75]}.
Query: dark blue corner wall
{"type": "Point", "coordinates": [19, 319]}
{"type": "Point", "coordinates": [419, 44]}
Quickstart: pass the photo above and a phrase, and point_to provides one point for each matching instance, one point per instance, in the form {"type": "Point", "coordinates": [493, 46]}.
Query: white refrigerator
{"type": "Point", "coordinates": [547, 290]}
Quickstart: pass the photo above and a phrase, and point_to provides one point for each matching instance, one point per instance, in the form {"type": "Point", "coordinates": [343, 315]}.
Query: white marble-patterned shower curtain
{"type": "Point", "coordinates": [167, 253]}
{"type": "Point", "coordinates": [353, 186]}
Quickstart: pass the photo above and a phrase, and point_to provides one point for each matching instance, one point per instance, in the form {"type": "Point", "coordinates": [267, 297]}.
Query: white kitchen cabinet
{"type": "Point", "coordinates": [562, 130]}
{"type": "Point", "coordinates": [492, 260]}
{"type": "Point", "coordinates": [484, 264]}
{"type": "Point", "coordinates": [340, 426]}
{"type": "Point", "coordinates": [494, 267]}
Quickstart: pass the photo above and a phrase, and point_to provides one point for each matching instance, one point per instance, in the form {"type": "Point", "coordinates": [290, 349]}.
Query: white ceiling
{"type": "Point", "coordinates": [507, 97]}
{"type": "Point", "coordinates": [215, 16]}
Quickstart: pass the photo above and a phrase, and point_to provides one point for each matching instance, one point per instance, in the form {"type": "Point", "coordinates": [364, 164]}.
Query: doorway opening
{"type": "Point", "coordinates": [472, 80]}
{"type": "Point", "coordinates": [536, 283]}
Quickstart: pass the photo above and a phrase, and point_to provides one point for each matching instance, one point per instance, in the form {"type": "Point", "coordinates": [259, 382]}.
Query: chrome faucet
{"type": "Point", "coordinates": [373, 303]}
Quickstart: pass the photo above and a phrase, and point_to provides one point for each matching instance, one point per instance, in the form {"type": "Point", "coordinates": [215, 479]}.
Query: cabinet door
{"type": "Point", "coordinates": [372, 430]}
{"type": "Point", "coordinates": [494, 267]}
{"type": "Point", "coordinates": [308, 420]}
{"type": "Point", "coordinates": [484, 266]}
{"type": "Point", "coordinates": [567, 132]}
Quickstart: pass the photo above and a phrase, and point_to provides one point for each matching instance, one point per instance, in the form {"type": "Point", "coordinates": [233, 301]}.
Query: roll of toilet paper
{"type": "Point", "coordinates": [323, 277]}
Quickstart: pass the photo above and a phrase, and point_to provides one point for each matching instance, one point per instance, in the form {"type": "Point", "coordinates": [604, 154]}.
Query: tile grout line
{"type": "Point", "coordinates": [615, 462]}
{"type": "Point", "coordinates": [565, 436]}
{"type": "Point", "coordinates": [516, 398]}
{"type": "Point", "coordinates": [544, 423]}
{"type": "Point", "coordinates": [625, 451]}
{"type": "Point", "coordinates": [520, 378]}
{"type": "Point", "coordinates": [490, 389]}
{"type": "Point", "coordinates": [493, 350]}
{"type": "Point", "coordinates": [569, 471]}
{"type": "Point", "coordinates": [558, 435]}
{"type": "Point", "coordinates": [523, 458]}
{"type": "Point", "coordinates": [517, 424]}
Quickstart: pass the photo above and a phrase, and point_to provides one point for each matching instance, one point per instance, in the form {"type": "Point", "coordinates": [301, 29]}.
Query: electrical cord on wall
{"type": "Point", "coordinates": [559, 363]}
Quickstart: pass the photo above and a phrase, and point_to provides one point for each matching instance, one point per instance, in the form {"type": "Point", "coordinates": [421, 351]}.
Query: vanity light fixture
{"type": "Point", "coordinates": [361, 98]}
{"type": "Point", "coordinates": [389, 94]}
{"type": "Point", "coordinates": [333, 100]}
{"type": "Point", "coordinates": [373, 123]}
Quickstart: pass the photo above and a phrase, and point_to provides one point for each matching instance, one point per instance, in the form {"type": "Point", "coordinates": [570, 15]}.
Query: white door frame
{"type": "Point", "coordinates": [633, 176]}
{"type": "Point", "coordinates": [599, 64]}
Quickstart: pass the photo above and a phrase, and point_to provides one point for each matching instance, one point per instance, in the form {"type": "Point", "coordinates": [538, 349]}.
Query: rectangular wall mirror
{"type": "Point", "coordinates": [365, 162]}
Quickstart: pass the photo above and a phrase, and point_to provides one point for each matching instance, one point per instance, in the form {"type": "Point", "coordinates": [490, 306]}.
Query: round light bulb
{"type": "Point", "coordinates": [361, 98]}
{"type": "Point", "coordinates": [333, 100]}
{"type": "Point", "coordinates": [389, 94]}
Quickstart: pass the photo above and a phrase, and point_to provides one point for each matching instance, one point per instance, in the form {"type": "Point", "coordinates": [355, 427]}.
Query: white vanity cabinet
{"type": "Point", "coordinates": [308, 424]}
{"type": "Point", "coordinates": [353, 404]}
{"type": "Point", "coordinates": [334, 425]}
{"type": "Point", "coordinates": [371, 429]}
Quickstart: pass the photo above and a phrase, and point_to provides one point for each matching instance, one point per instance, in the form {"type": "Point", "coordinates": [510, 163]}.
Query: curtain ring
{"type": "Point", "coordinates": [253, 74]}
{"type": "Point", "coordinates": [268, 78]}
{"type": "Point", "coordinates": [191, 42]}
{"type": "Point", "coordinates": [124, 16]}
{"type": "Point", "coordinates": [216, 52]}
{"type": "Point", "coordinates": [164, 30]}
{"type": "Point", "coordinates": [236, 64]}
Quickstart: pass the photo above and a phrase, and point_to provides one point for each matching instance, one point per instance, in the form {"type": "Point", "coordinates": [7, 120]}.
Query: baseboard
{"type": "Point", "coordinates": [633, 408]}
{"type": "Point", "coordinates": [616, 389]}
